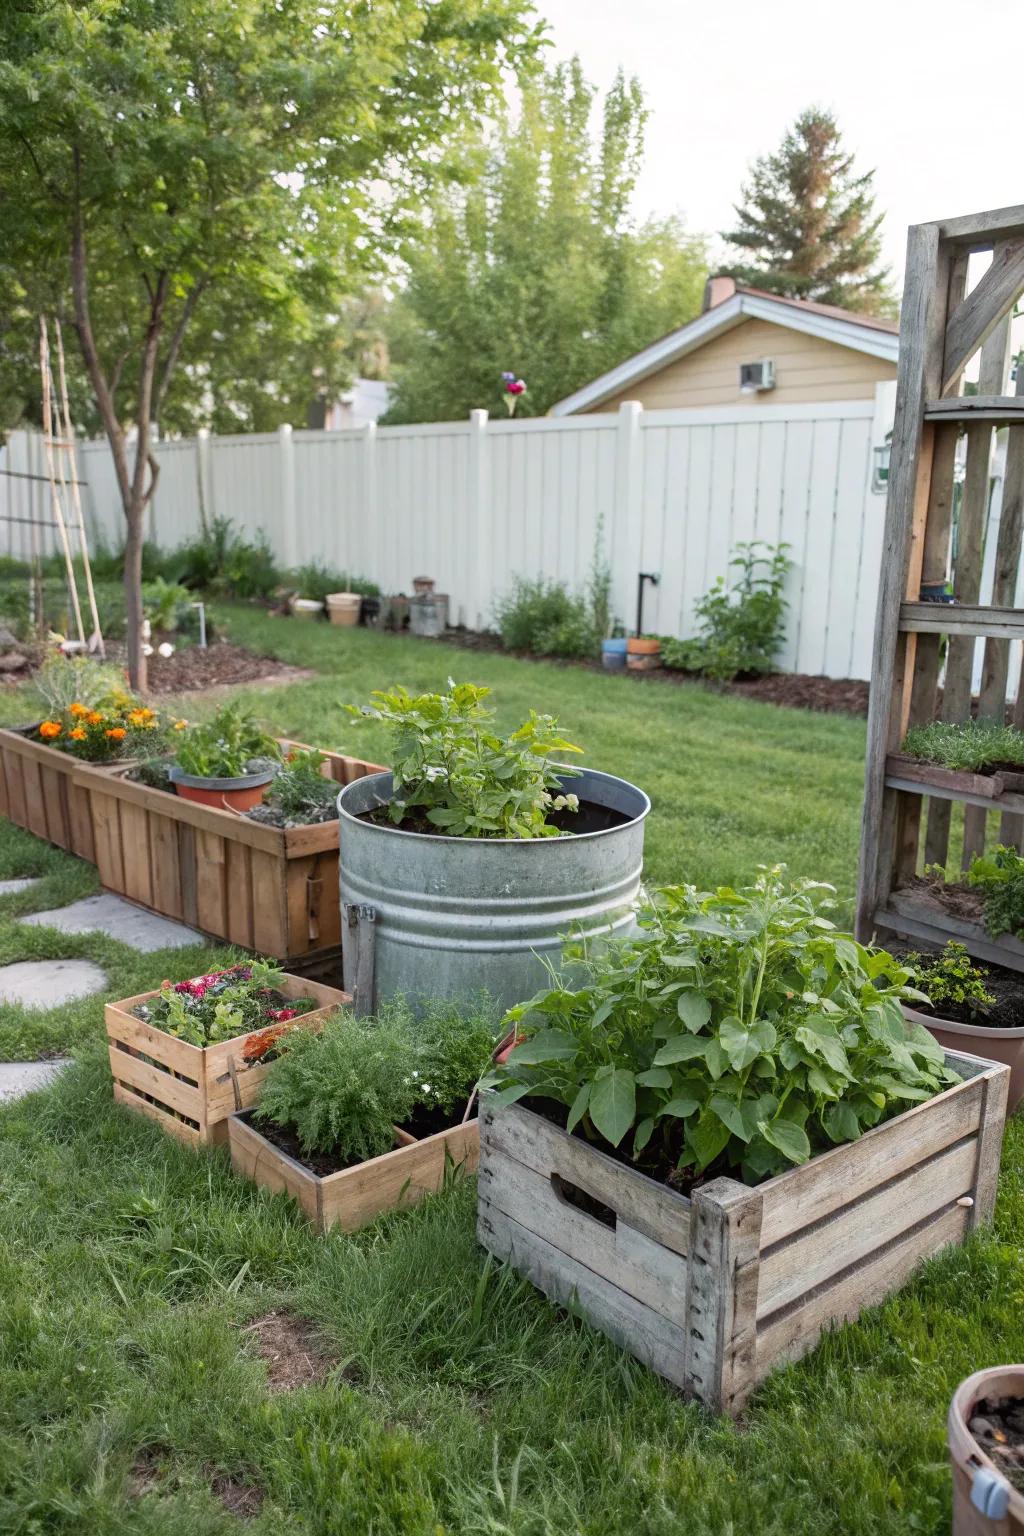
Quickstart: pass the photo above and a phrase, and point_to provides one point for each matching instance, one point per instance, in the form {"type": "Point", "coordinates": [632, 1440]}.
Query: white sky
{"type": "Point", "coordinates": [924, 90]}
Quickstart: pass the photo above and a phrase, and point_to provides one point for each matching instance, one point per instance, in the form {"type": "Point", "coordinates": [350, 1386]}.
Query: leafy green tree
{"type": "Point", "coordinates": [529, 261]}
{"type": "Point", "coordinates": [155, 153]}
{"type": "Point", "coordinates": [807, 226]}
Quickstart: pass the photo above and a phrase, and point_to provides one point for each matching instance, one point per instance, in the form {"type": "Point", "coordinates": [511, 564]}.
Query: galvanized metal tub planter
{"type": "Point", "coordinates": [190, 1090]}
{"type": "Point", "coordinates": [354, 1196]}
{"type": "Point", "coordinates": [271, 889]}
{"type": "Point", "coordinates": [432, 916]}
{"type": "Point", "coordinates": [37, 791]}
{"type": "Point", "coordinates": [713, 1291]}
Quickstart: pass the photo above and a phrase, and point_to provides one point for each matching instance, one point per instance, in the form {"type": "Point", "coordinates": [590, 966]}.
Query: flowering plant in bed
{"type": "Point", "coordinates": [102, 735]}
{"type": "Point", "coordinates": [227, 760]}
{"type": "Point", "coordinates": [738, 1033]}
{"type": "Point", "coordinates": [224, 1004]}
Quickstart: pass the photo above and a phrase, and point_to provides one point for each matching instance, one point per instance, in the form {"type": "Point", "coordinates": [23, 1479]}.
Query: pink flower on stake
{"type": "Point", "coordinates": [513, 389]}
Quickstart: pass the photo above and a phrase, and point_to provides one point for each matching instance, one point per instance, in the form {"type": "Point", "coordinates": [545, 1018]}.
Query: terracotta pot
{"type": "Point", "coordinates": [423, 586]}
{"type": "Point", "coordinates": [239, 794]}
{"type": "Point", "coordinates": [984, 1501]}
{"type": "Point", "coordinates": [1005, 1045]}
{"type": "Point", "coordinates": [640, 645]}
{"type": "Point", "coordinates": [343, 608]}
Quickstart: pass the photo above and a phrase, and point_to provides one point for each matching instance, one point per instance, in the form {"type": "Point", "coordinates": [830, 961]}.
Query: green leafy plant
{"type": "Point", "coordinates": [223, 1004]}
{"type": "Point", "coordinates": [65, 680]}
{"type": "Point", "coordinates": [345, 1088]}
{"type": "Point", "coordinates": [300, 794]}
{"type": "Point", "coordinates": [967, 746]}
{"type": "Point", "coordinates": [741, 627]}
{"type": "Point", "coordinates": [224, 746]}
{"type": "Point", "coordinates": [951, 981]}
{"type": "Point", "coordinates": [454, 1049]}
{"type": "Point", "coordinates": [168, 607]}
{"type": "Point", "coordinates": [453, 772]}
{"type": "Point", "coordinates": [546, 619]}
{"type": "Point", "coordinates": [738, 1032]}
{"type": "Point", "coordinates": [317, 582]}
{"type": "Point", "coordinates": [1000, 878]}
{"type": "Point", "coordinates": [225, 562]}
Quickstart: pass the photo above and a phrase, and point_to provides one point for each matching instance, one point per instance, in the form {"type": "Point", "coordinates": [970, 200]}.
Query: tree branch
{"type": "Point", "coordinates": [48, 186]}
{"type": "Point", "coordinates": [176, 339]}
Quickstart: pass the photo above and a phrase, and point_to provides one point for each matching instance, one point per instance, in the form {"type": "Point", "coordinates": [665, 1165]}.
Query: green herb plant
{"type": "Point", "coordinates": [544, 618]}
{"type": "Point", "coordinates": [300, 794]}
{"type": "Point", "coordinates": [316, 582]}
{"type": "Point", "coordinates": [739, 1032]}
{"type": "Point", "coordinates": [454, 1049]}
{"type": "Point", "coordinates": [951, 981]}
{"type": "Point", "coordinates": [222, 1005]}
{"type": "Point", "coordinates": [224, 746]}
{"type": "Point", "coordinates": [966, 746]}
{"type": "Point", "coordinates": [452, 769]}
{"type": "Point", "coordinates": [65, 680]}
{"type": "Point", "coordinates": [741, 627]}
{"type": "Point", "coordinates": [1000, 878]}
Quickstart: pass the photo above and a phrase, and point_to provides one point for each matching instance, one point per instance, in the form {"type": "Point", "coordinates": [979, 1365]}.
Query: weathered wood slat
{"type": "Point", "coordinates": [980, 231]}
{"type": "Point", "coordinates": [989, 302]}
{"type": "Point", "coordinates": [962, 619]}
{"type": "Point", "coordinates": [138, 879]}
{"type": "Point", "coordinates": [211, 883]}
{"type": "Point", "coordinates": [648, 1207]}
{"type": "Point", "coordinates": [165, 868]}
{"type": "Point", "coordinates": [993, 410]}
{"type": "Point", "coordinates": [238, 874]}
{"type": "Point", "coordinates": [169, 1123]}
{"type": "Point", "coordinates": [106, 827]}
{"type": "Point", "coordinates": [906, 914]}
{"type": "Point", "coordinates": [722, 1294]}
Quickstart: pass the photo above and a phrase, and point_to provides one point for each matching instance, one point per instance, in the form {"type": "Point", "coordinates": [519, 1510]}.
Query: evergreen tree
{"type": "Point", "coordinates": [807, 223]}
{"type": "Point", "coordinates": [529, 261]}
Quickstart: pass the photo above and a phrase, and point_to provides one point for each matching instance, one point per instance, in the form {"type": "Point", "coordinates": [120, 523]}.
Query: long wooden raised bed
{"type": "Point", "coordinates": [269, 889]}
{"type": "Point", "coordinates": [187, 1089]}
{"type": "Point", "coordinates": [354, 1196]}
{"type": "Point", "coordinates": [713, 1291]}
{"type": "Point", "coordinates": [37, 792]}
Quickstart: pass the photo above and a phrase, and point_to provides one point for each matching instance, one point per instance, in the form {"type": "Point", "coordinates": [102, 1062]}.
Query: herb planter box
{"type": "Point", "coordinates": [354, 1196]}
{"type": "Point", "coordinates": [187, 1089]}
{"type": "Point", "coordinates": [713, 1291]}
{"type": "Point", "coordinates": [37, 792]}
{"type": "Point", "coordinates": [269, 889]}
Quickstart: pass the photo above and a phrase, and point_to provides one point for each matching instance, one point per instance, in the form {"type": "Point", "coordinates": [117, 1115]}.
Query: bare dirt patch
{"type": "Point", "coordinates": [243, 1500]}
{"type": "Point", "coordinates": [144, 1476]}
{"type": "Point", "coordinates": [294, 1353]}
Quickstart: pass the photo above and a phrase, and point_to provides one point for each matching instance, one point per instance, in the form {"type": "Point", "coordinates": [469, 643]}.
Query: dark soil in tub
{"type": "Point", "coordinates": [425, 1121]}
{"type": "Point", "coordinates": [589, 818]}
{"type": "Point", "coordinates": [1005, 985]}
{"type": "Point", "coordinates": [997, 1423]}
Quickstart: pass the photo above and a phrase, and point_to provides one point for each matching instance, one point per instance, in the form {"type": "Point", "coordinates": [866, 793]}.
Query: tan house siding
{"type": "Point", "coordinates": [807, 369]}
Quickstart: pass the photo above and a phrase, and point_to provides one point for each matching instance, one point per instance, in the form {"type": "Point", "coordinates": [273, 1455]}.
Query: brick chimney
{"type": "Point", "coordinates": [716, 290]}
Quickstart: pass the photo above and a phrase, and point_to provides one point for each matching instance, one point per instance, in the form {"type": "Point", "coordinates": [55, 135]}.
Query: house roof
{"type": "Point", "coordinates": [861, 333]}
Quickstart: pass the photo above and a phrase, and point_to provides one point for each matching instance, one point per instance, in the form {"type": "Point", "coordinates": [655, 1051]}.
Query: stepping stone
{"type": "Point", "coordinates": [12, 887]}
{"type": "Point", "coordinates": [122, 920]}
{"type": "Point", "coordinates": [20, 1077]}
{"type": "Point", "coordinates": [47, 983]}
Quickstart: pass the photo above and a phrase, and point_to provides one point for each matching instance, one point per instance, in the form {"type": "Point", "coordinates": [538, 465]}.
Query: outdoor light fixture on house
{"type": "Point", "coordinates": [757, 376]}
{"type": "Point", "coordinates": [880, 465]}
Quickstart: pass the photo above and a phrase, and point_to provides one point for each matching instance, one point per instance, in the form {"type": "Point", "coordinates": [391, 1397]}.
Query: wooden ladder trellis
{"type": "Point", "coordinates": [942, 327]}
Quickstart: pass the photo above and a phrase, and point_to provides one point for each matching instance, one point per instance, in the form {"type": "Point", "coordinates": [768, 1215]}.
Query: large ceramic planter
{"type": "Point", "coordinates": [190, 1090]}
{"type": "Point", "coordinates": [613, 655]}
{"type": "Point", "coordinates": [713, 1291]}
{"type": "Point", "coordinates": [239, 794]}
{"type": "Point", "coordinates": [354, 1196]}
{"type": "Point", "coordinates": [343, 608]}
{"type": "Point", "coordinates": [432, 916]}
{"type": "Point", "coordinates": [984, 1501]}
{"type": "Point", "coordinates": [642, 654]}
{"type": "Point", "coordinates": [37, 791]}
{"type": "Point", "coordinates": [1005, 1045]}
{"type": "Point", "coordinates": [271, 889]}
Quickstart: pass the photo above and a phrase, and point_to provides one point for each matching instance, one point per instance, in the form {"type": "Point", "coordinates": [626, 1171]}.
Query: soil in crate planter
{"type": "Point", "coordinates": [423, 1123]}
{"type": "Point", "coordinates": [713, 1290]}
{"type": "Point", "coordinates": [350, 1196]}
{"type": "Point", "coordinates": [997, 1424]}
{"type": "Point", "coordinates": [190, 1090]}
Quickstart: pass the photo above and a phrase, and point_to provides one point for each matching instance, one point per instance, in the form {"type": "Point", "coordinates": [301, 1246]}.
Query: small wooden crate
{"type": "Point", "coordinates": [355, 1196]}
{"type": "Point", "coordinates": [190, 1090]}
{"type": "Point", "coordinates": [270, 889]}
{"type": "Point", "coordinates": [37, 792]}
{"type": "Point", "coordinates": [713, 1291]}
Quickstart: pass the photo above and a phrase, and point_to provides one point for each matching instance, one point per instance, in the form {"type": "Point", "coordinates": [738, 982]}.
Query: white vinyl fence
{"type": "Point", "coordinates": [475, 503]}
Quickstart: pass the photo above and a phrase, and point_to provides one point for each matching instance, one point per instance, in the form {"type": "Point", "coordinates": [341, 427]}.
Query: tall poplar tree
{"type": "Point", "coordinates": [807, 226]}
{"type": "Point", "coordinates": [530, 261]}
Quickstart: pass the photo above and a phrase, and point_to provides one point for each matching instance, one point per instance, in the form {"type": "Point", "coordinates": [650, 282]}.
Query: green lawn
{"type": "Point", "coordinates": [459, 1401]}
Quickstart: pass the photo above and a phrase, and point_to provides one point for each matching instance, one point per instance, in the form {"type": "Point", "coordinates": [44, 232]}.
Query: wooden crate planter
{"type": "Point", "coordinates": [37, 792]}
{"type": "Point", "coordinates": [187, 1089]}
{"type": "Point", "coordinates": [270, 889]}
{"type": "Point", "coordinates": [355, 1196]}
{"type": "Point", "coordinates": [713, 1291]}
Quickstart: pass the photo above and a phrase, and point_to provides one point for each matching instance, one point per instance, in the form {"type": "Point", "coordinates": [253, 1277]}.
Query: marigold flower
{"type": "Point", "coordinates": [78, 734]}
{"type": "Point", "coordinates": [180, 725]}
{"type": "Point", "coordinates": [50, 728]}
{"type": "Point", "coordinates": [94, 717]}
{"type": "Point", "coordinates": [137, 716]}
{"type": "Point", "coordinates": [78, 710]}
{"type": "Point", "coordinates": [117, 733]}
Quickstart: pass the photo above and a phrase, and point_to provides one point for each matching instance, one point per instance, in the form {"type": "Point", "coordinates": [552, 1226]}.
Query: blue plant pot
{"type": "Point", "coordinates": [613, 655]}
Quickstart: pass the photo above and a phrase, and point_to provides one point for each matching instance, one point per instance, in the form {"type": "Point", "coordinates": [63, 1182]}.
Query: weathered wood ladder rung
{"type": "Point", "coordinates": [936, 522]}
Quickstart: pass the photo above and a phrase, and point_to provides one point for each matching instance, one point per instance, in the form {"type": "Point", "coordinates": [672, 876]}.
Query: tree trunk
{"type": "Point", "coordinates": [133, 615]}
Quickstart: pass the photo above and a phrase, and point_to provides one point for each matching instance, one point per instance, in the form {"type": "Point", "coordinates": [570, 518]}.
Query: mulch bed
{"type": "Point", "coordinates": [191, 669]}
{"type": "Point", "coordinates": [793, 690]}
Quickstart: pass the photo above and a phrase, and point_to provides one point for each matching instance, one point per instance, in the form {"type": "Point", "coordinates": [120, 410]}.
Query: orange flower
{"type": "Point", "coordinates": [180, 725]}
{"type": "Point", "coordinates": [138, 716]}
{"type": "Point", "coordinates": [78, 734]}
{"type": "Point", "coordinates": [50, 728]}
{"type": "Point", "coordinates": [78, 710]}
{"type": "Point", "coordinates": [94, 717]}
{"type": "Point", "coordinates": [117, 733]}
{"type": "Point", "coordinates": [146, 713]}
